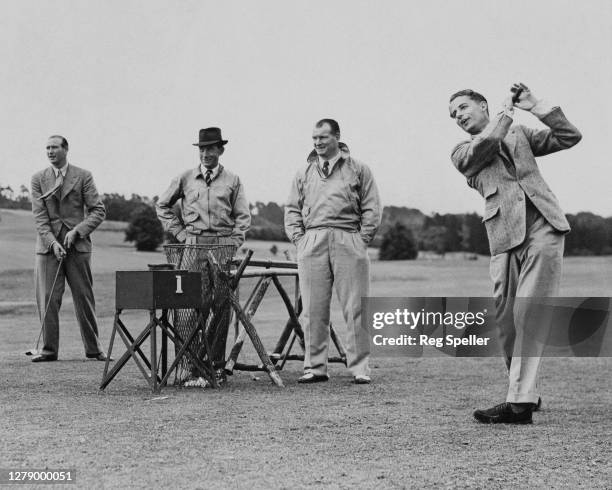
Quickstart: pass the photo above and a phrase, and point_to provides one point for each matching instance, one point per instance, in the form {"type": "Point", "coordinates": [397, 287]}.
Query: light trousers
{"type": "Point", "coordinates": [333, 258]}
{"type": "Point", "coordinates": [531, 270]}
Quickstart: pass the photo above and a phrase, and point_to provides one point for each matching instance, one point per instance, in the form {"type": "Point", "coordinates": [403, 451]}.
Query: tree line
{"type": "Point", "coordinates": [403, 232]}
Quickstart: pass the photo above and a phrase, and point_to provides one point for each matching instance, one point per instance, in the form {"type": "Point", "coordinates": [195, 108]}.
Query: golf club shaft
{"type": "Point", "coordinates": [42, 322]}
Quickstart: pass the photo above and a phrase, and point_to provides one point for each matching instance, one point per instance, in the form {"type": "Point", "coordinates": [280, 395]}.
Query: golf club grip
{"type": "Point", "coordinates": [516, 95]}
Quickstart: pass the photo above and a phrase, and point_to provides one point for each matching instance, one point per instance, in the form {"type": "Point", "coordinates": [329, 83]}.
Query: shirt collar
{"type": "Point", "coordinates": [57, 171]}
{"type": "Point", "coordinates": [214, 173]}
{"type": "Point", "coordinates": [332, 161]}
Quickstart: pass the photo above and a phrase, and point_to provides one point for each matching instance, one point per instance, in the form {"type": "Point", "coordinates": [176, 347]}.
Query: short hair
{"type": "Point", "coordinates": [333, 124]}
{"type": "Point", "coordinates": [64, 140]}
{"type": "Point", "coordinates": [475, 96]}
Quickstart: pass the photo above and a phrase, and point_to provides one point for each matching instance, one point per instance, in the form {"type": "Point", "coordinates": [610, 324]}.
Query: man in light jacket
{"type": "Point", "coordinates": [332, 213]}
{"type": "Point", "coordinates": [214, 211]}
{"type": "Point", "coordinates": [525, 226]}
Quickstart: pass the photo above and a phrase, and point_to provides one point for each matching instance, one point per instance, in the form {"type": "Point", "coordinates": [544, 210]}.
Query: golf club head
{"type": "Point", "coordinates": [32, 352]}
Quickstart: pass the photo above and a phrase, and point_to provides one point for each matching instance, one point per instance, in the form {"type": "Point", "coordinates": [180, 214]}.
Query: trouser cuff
{"type": "Point", "coordinates": [523, 398]}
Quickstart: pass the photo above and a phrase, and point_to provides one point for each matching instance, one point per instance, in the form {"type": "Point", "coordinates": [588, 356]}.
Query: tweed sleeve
{"type": "Point", "coordinates": [560, 134]}
{"type": "Point", "coordinates": [470, 157]}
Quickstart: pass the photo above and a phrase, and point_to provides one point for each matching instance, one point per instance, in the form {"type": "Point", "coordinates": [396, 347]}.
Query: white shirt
{"type": "Point", "coordinates": [332, 161]}
{"type": "Point", "coordinates": [58, 171]}
{"type": "Point", "coordinates": [213, 174]}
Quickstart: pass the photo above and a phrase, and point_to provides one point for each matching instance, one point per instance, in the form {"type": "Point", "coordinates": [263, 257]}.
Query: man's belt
{"type": "Point", "coordinates": [196, 231]}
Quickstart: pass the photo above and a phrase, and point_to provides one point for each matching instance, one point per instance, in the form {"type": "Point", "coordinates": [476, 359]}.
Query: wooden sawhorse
{"type": "Point", "coordinates": [270, 272]}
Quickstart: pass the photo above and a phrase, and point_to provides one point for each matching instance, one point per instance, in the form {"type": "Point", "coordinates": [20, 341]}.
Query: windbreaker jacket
{"type": "Point", "coordinates": [348, 199]}
{"type": "Point", "coordinates": [220, 208]}
{"type": "Point", "coordinates": [78, 206]}
{"type": "Point", "coordinates": [504, 176]}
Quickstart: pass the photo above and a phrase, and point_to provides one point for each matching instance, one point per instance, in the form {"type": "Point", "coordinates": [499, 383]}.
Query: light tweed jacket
{"type": "Point", "coordinates": [505, 177]}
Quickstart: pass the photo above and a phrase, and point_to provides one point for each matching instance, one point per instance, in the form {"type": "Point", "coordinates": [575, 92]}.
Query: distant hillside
{"type": "Point", "coordinates": [463, 232]}
{"type": "Point", "coordinates": [268, 221]}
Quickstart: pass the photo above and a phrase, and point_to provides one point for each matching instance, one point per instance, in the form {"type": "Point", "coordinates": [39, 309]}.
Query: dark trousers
{"type": "Point", "coordinates": [76, 269]}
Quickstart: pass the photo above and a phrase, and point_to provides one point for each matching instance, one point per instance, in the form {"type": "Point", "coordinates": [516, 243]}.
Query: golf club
{"type": "Point", "coordinates": [35, 351]}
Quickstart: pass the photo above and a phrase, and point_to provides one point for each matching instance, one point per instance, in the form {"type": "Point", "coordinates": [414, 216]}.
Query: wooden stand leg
{"type": "Point", "coordinates": [164, 343]}
{"type": "Point", "coordinates": [110, 345]}
{"type": "Point", "coordinates": [259, 348]}
{"type": "Point", "coordinates": [154, 385]}
{"type": "Point", "coordinates": [255, 300]}
{"type": "Point", "coordinates": [133, 351]}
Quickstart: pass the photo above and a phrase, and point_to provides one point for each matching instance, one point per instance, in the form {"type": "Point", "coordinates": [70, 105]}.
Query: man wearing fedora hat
{"type": "Point", "coordinates": [213, 209]}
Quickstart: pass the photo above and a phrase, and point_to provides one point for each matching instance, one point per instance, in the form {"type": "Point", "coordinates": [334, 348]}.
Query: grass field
{"type": "Point", "coordinates": [411, 428]}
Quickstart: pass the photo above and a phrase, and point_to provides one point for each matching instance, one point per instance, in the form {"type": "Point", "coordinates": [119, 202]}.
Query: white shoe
{"type": "Point", "coordinates": [198, 382]}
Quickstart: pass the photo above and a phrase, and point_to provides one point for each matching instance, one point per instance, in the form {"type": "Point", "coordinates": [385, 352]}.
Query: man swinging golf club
{"type": "Point", "coordinates": [67, 209]}
{"type": "Point", "coordinates": [525, 226]}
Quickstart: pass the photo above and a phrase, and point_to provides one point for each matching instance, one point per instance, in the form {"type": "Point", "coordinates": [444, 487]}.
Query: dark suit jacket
{"type": "Point", "coordinates": [78, 206]}
{"type": "Point", "coordinates": [500, 164]}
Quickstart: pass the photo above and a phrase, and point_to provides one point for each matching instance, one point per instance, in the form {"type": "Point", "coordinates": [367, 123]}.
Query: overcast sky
{"type": "Point", "coordinates": [129, 83]}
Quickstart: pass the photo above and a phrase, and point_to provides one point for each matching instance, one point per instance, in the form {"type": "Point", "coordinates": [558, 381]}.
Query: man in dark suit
{"type": "Point", "coordinates": [67, 209]}
{"type": "Point", "coordinates": [525, 226]}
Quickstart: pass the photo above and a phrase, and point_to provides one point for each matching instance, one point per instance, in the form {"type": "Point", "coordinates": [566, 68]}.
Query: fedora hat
{"type": "Point", "coordinates": [210, 136]}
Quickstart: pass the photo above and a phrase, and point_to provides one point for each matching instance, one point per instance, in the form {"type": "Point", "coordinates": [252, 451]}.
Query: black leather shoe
{"type": "Point", "coordinates": [101, 356]}
{"type": "Point", "coordinates": [44, 358]}
{"type": "Point", "coordinates": [313, 378]}
{"type": "Point", "coordinates": [503, 414]}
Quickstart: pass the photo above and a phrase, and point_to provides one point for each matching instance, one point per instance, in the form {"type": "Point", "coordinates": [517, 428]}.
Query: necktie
{"type": "Point", "coordinates": [59, 180]}
{"type": "Point", "coordinates": [208, 177]}
{"type": "Point", "coordinates": [326, 168]}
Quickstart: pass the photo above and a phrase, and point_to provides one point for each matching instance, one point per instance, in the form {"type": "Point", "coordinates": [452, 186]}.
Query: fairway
{"type": "Point", "coordinates": [411, 427]}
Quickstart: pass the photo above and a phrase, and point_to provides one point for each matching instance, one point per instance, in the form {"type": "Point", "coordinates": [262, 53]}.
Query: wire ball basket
{"type": "Point", "coordinates": [195, 258]}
